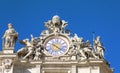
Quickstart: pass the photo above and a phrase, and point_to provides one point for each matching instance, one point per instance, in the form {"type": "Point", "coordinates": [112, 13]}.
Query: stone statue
{"type": "Point", "coordinates": [33, 49]}
{"type": "Point", "coordinates": [72, 51]}
{"type": "Point", "coordinates": [7, 64]}
{"type": "Point", "coordinates": [28, 49]}
{"type": "Point", "coordinates": [78, 46]}
{"type": "Point", "coordinates": [99, 48]}
{"type": "Point", "coordinates": [81, 54]}
{"type": "Point", "coordinates": [39, 50]}
{"type": "Point", "coordinates": [78, 41]}
{"type": "Point", "coordinates": [56, 25]}
{"type": "Point", "coordinates": [88, 50]}
{"type": "Point", "coordinates": [83, 49]}
{"type": "Point", "coordinates": [10, 36]}
{"type": "Point", "coordinates": [38, 54]}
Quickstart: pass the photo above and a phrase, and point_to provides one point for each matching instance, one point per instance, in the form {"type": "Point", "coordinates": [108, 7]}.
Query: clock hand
{"type": "Point", "coordinates": [56, 46]}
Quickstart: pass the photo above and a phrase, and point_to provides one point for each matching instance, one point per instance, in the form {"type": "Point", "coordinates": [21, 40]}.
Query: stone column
{"type": "Point", "coordinates": [38, 68]}
{"type": "Point", "coordinates": [74, 69]}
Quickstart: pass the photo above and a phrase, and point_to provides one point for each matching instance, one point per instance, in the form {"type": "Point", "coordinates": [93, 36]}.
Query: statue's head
{"type": "Point", "coordinates": [56, 20]}
{"type": "Point", "coordinates": [10, 25]}
{"type": "Point", "coordinates": [98, 38]}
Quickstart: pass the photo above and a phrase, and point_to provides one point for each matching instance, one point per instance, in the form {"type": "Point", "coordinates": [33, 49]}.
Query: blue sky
{"type": "Point", "coordinates": [84, 17]}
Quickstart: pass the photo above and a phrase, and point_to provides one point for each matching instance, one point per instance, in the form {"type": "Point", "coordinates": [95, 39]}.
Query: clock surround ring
{"type": "Point", "coordinates": [63, 37]}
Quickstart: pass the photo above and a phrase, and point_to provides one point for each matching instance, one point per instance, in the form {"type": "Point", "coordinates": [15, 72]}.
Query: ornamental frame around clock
{"type": "Point", "coordinates": [50, 49]}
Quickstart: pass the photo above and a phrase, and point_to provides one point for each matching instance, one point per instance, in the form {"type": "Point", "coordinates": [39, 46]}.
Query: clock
{"type": "Point", "coordinates": [57, 46]}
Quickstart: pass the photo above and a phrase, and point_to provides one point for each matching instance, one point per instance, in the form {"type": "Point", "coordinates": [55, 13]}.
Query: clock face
{"type": "Point", "coordinates": [57, 46]}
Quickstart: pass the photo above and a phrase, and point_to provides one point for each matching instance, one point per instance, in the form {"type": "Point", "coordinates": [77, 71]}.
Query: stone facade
{"type": "Point", "coordinates": [54, 51]}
